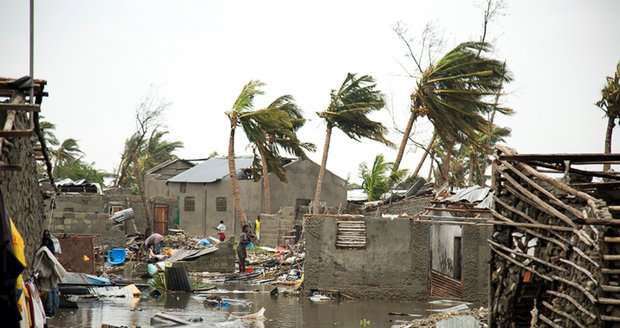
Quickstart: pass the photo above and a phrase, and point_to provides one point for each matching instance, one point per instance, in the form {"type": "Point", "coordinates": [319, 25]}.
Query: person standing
{"type": "Point", "coordinates": [244, 239]}
{"type": "Point", "coordinates": [154, 241]}
{"type": "Point", "coordinates": [257, 228]}
{"type": "Point", "coordinates": [221, 231]}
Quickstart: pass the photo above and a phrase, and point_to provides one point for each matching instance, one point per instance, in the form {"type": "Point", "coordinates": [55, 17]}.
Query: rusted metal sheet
{"type": "Point", "coordinates": [444, 286]}
{"type": "Point", "coordinates": [78, 252]}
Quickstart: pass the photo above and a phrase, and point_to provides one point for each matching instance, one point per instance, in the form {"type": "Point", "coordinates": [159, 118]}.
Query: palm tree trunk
{"type": "Point", "coordinates": [148, 225]}
{"type": "Point", "coordinates": [403, 143]}
{"type": "Point", "coordinates": [266, 185]}
{"type": "Point", "coordinates": [611, 122]}
{"type": "Point", "coordinates": [319, 182]}
{"type": "Point", "coordinates": [243, 219]}
{"type": "Point", "coordinates": [445, 171]}
{"type": "Point", "coordinates": [426, 151]}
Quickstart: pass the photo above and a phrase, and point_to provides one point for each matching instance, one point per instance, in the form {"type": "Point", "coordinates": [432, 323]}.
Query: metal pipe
{"type": "Point", "coordinates": [31, 57]}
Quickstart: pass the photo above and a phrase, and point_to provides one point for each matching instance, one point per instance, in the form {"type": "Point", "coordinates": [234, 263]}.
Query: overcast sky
{"type": "Point", "coordinates": [99, 58]}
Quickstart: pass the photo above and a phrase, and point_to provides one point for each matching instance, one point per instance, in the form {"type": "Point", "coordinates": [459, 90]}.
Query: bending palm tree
{"type": "Point", "coordinates": [254, 123]}
{"type": "Point", "coordinates": [280, 138]}
{"type": "Point", "coordinates": [67, 151]}
{"type": "Point", "coordinates": [610, 104]}
{"type": "Point", "coordinates": [453, 94]}
{"type": "Point", "coordinates": [348, 112]}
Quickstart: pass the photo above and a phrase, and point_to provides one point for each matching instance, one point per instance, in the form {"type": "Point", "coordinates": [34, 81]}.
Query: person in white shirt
{"type": "Point", "coordinates": [221, 229]}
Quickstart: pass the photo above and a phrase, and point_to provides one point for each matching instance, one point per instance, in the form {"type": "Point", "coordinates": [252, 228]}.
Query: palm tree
{"type": "Point", "coordinates": [377, 180]}
{"type": "Point", "coordinates": [347, 111]}
{"type": "Point", "coordinates": [453, 94]}
{"type": "Point", "coordinates": [66, 152]}
{"type": "Point", "coordinates": [610, 104]}
{"type": "Point", "coordinates": [279, 138]}
{"type": "Point", "coordinates": [254, 123]}
{"type": "Point", "coordinates": [143, 156]}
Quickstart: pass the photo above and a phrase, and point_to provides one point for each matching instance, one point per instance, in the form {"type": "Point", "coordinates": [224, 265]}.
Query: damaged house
{"type": "Point", "coordinates": [556, 241]}
{"type": "Point", "coordinates": [412, 249]}
{"type": "Point", "coordinates": [205, 196]}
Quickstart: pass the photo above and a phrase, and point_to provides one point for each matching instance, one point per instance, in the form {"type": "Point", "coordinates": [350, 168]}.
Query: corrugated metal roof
{"type": "Point", "coordinates": [211, 170]}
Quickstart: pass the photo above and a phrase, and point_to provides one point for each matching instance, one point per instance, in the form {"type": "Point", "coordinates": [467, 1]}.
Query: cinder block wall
{"type": "Point", "coordinates": [275, 226]}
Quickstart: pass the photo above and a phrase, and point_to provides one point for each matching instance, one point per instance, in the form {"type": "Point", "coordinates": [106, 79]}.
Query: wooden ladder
{"type": "Point", "coordinates": [611, 289]}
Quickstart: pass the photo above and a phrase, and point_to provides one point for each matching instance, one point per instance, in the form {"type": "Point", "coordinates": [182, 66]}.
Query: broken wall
{"type": "Point", "coordinates": [393, 265]}
{"type": "Point", "coordinates": [89, 213]}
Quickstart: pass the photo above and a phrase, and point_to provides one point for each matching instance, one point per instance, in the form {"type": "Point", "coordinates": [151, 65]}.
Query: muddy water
{"type": "Point", "coordinates": [280, 311]}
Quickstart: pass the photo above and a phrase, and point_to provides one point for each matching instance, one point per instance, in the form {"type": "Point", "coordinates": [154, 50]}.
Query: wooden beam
{"type": "Point", "coordinates": [608, 301]}
{"type": "Point", "coordinates": [584, 158]}
{"type": "Point", "coordinates": [612, 239]}
{"type": "Point", "coordinates": [610, 271]}
{"type": "Point", "coordinates": [610, 288]}
{"type": "Point", "coordinates": [20, 107]}
{"type": "Point", "coordinates": [611, 257]}
{"type": "Point", "coordinates": [595, 185]}
{"type": "Point", "coordinates": [519, 264]}
{"type": "Point", "coordinates": [15, 133]}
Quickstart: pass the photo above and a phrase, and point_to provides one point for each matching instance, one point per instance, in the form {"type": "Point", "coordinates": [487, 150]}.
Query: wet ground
{"type": "Point", "coordinates": [281, 311]}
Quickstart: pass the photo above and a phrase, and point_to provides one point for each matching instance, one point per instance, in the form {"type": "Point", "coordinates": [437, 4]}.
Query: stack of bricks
{"type": "Point", "coordinates": [274, 227]}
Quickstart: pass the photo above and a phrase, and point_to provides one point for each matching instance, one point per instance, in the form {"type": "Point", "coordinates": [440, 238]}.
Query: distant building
{"type": "Point", "coordinates": [205, 196]}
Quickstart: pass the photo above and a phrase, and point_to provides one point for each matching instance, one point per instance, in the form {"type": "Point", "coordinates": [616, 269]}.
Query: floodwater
{"type": "Point", "coordinates": [281, 311]}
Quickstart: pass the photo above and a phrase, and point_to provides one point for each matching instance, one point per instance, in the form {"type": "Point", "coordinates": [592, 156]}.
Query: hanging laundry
{"type": "Point", "coordinates": [49, 273]}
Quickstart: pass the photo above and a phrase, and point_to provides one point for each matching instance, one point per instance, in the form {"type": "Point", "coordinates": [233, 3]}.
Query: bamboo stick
{"type": "Point", "coordinates": [564, 314]}
{"type": "Point", "coordinates": [574, 285]}
{"type": "Point", "coordinates": [527, 256]}
{"type": "Point", "coordinates": [532, 225]}
{"type": "Point", "coordinates": [527, 217]}
{"type": "Point", "coordinates": [536, 186]}
{"type": "Point", "coordinates": [581, 269]}
{"type": "Point", "coordinates": [548, 321]}
{"type": "Point", "coordinates": [539, 235]}
{"type": "Point", "coordinates": [585, 256]}
{"type": "Point", "coordinates": [539, 203]}
{"type": "Point", "coordinates": [521, 265]}
{"type": "Point", "coordinates": [572, 301]}
{"type": "Point", "coordinates": [612, 239]}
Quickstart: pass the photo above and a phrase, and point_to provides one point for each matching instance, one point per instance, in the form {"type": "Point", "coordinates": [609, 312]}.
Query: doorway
{"type": "Point", "coordinates": [161, 219]}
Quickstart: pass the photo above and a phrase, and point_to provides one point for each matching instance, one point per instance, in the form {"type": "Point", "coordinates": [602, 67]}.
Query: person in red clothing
{"type": "Point", "coordinates": [221, 231]}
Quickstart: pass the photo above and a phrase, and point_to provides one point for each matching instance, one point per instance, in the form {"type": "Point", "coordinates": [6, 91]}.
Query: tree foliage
{"type": "Point", "coordinates": [377, 179]}
{"type": "Point", "coordinates": [348, 111]}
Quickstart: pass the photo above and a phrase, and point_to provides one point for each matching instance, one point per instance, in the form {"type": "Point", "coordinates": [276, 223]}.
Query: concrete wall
{"type": "Point", "coordinates": [155, 182]}
{"type": "Point", "coordinates": [88, 214]}
{"type": "Point", "coordinates": [476, 259]}
{"type": "Point", "coordinates": [302, 176]}
{"type": "Point", "coordinates": [22, 196]}
{"type": "Point", "coordinates": [394, 264]}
